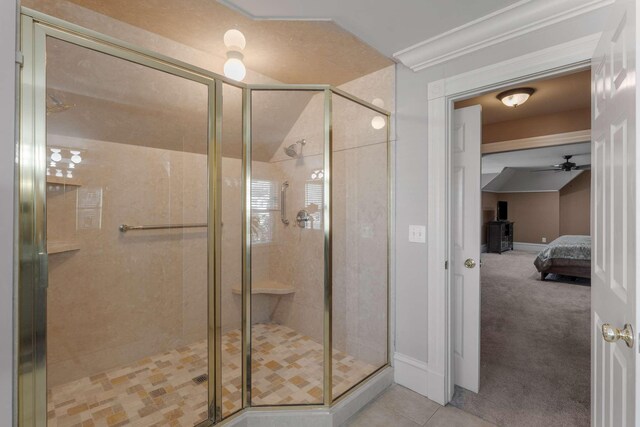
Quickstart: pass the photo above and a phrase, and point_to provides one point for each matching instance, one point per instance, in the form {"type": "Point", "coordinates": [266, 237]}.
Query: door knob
{"type": "Point", "coordinates": [611, 334]}
{"type": "Point", "coordinates": [470, 263]}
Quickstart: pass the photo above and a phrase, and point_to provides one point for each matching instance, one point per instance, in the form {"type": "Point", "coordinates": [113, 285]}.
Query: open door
{"type": "Point", "coordinates": [465, 238]}
{"type": "Point", "coordinates": [614, 351]}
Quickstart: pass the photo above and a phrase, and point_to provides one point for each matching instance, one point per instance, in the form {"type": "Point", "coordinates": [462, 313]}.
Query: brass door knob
{"type": "Point", "coordinates": [611, 334]}
{"type": "Point", "coordinates": [470, 263]}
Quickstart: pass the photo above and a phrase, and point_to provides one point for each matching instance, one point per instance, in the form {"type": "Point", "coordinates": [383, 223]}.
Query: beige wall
{"type": "Point", "coordinates": [489, 205]}
{"type": "Point", "coordinates": [548, 214]}
{"type": "Point", "coordinates": [124, 296]}
{"type": "Point", "coordinates": [575, 205]}
{"type": "Point", "coordinates": [549, 124]}
{"type": "Point", "coordinates": [536, 215]}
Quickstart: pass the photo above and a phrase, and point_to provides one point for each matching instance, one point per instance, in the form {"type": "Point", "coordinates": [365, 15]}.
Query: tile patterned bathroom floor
{"type": "Point", "coordinates": [165, 389]}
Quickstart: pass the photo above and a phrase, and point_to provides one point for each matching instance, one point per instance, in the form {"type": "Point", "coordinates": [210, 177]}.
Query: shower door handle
{"type": "Point", "coordinates": [283, 203]}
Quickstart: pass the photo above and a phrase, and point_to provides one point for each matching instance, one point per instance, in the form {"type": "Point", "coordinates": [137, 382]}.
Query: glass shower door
{"type": "Point", "coordinates": [287, 247]}
{"type": "Point", "coordinates": [127, 193]}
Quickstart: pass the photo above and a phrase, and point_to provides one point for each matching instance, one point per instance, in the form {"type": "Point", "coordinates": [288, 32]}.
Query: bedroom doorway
{"type": "Point", "coordinates": [533, 168]}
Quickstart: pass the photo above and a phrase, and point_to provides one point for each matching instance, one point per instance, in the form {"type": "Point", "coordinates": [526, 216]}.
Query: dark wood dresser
{"type": "Point", "coordinates": [499, 236]}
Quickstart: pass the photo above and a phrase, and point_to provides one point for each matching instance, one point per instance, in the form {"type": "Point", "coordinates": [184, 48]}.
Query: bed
{"type": "Point", "coordinates": [567, 255]}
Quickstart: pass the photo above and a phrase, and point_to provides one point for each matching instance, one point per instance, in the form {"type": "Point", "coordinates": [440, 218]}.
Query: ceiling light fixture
{"type": "Point", "coordinates": [55, 154]}
{"type": "Point", "coordinates": [515, 97]}
{"type": "Point", "coordinates": [75, 156]}
{"type": "Point", "coordinates": [378, 122]}
{"type": "Point", "coordinates": [234, 67]}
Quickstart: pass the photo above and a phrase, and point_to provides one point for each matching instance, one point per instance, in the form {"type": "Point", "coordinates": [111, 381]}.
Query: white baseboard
{"type": "Point", "coordinates": [417, 376]}
{"type": "Point", "coordinates": [528, 247]}
{"type": "Point", "coordinates": [322, 417]}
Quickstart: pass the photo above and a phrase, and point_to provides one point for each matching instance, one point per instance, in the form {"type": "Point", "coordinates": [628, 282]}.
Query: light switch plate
{"type": "Point", "coordinates": [417, 233]}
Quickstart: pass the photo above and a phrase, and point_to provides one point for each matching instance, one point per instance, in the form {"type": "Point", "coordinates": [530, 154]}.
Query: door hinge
{"type": "Point", "coordinates": [446, 265]}
{"type": "Point", "coordinates": [19, 58]}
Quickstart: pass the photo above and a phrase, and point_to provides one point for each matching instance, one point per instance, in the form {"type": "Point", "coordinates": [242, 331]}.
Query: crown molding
{"type": "Point", "coordinates": [510, 22]}
{"type": "Point", "coordinates": [564, 138]}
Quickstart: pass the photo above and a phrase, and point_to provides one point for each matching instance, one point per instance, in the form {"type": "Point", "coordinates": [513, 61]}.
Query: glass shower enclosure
{"type": "Point", "coordinates": [191, 246]}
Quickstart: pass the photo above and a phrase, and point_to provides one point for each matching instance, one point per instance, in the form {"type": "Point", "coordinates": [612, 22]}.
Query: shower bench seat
{"type": "Point", "coordinates": [266, 287]}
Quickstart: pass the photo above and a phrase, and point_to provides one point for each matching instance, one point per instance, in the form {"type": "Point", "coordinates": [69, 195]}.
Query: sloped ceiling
{"type": "Point", "coordinates": [387, 25]}
{"type": "Point", "coordinates": [424, 34]}
{"type": "Point", "coordinates": [313, 52]}
{"type": "Point", "coordinates": [519, 171]}
{"type": "Point", "coordinates": [537, 158]}
{"type": "Point", "coordinates": [520, 180]}
{"type": "Point", "coordinates": [115, 100]}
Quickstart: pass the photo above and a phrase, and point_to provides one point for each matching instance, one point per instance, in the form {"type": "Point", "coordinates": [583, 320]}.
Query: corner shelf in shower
{"type": "Point", "coordinates": [266, 287]}
{"type": "Point", "coordinates": [59, 247]}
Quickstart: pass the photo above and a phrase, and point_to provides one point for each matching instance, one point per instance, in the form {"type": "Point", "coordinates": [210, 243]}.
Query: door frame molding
{"type": "Point", "coordinates": [442, 94]}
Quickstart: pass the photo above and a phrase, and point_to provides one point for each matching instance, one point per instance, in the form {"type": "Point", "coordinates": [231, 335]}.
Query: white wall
{"type": "Point", "coordinates": [412, 358]}
{"type": "Point", "coordinates": [7, 155]}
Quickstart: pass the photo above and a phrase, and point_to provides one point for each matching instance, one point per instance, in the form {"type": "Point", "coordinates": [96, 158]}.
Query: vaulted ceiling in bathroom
{"type": "Point", "coordinates": [129, 104]}
{"type": "Point", "coordinates": [288, 51]}
{"type": "Point", "coordinates": [154, 109]}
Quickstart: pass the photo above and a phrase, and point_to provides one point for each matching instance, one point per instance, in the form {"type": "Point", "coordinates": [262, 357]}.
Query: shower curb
{"type": "Point", "coordinates": [335, 416]}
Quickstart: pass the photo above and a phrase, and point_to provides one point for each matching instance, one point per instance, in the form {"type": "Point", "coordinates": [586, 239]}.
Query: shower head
{"type": "Point", "coordinates": [55, 105]}
{"type": "Point", "coordinates": [292, 150]}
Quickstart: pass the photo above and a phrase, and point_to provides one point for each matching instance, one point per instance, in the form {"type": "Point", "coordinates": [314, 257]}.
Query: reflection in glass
{"type": "Point", "coordinates": [360, 208]}
{"type": "Point", "coordinates": [126, 311]}
{"type": "Point", "coordinates": [287, 258]}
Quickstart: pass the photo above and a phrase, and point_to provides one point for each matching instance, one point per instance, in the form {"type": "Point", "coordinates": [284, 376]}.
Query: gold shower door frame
{"type": "Point", "coordinates": [31, 261]}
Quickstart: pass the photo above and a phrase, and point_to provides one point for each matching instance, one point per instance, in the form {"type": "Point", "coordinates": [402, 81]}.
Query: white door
{"type": "Point", "coordinates": [613, 228]}
{"type": "Point", "coordinates": [465, 238]}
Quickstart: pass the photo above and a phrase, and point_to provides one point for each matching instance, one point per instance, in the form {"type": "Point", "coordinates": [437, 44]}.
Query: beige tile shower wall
{"type": "Point", "coordinates": [360, 221]}
{"type": "Point", "coordinates": [122, 297]}
{"type": "Point", "coordinates": [360, 253]}
{"type": "Point", "coordinates": [298, 257]}
{"type": "Point", "coordinates": [360, 299]}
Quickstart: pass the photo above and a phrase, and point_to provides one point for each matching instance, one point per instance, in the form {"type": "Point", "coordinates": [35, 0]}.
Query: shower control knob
{"type": "Point", "coordinates": [302, 218]}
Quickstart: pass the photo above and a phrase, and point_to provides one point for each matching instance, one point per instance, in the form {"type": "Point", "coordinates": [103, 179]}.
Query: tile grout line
{"type": "Point", "coordinates": [431, 416]}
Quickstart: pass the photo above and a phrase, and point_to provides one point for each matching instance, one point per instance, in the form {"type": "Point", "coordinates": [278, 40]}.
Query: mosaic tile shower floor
{"type": "Point", "coordinates": [164, 390]}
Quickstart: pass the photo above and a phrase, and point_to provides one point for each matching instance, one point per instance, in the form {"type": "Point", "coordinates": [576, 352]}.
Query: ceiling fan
{"type": "Point", "coordinates": [567, 166]}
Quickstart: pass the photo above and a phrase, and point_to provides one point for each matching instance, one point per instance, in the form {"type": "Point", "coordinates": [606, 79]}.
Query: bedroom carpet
{"type": "Point", "coordinates": [535, 347]}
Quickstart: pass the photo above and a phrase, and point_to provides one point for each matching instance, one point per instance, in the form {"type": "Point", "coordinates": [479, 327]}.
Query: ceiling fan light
{"type": "Point", "coordinates": [515, 97]}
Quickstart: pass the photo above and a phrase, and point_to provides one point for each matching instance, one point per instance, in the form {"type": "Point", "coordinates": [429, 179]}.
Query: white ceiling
{"type": "Point", "coordinates": [537, 157]}
{"type": "Point", "coordinates": [389, 26]}
{"type": "Point", "coordinates": [526, 180]}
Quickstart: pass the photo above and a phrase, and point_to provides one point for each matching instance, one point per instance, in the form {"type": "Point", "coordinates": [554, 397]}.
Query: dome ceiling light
{"type": "Point", "coordinates": [515, 97]}
{"type": "Point", "coordinates": [234, 67]}
{"type": "Point", "coordinates": [378, 122]}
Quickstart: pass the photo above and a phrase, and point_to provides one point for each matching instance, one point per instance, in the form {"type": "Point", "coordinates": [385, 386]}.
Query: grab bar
{"type": "Point", "coordinates": [283, 203]}
{"type": "Point", "coordinates": [124, 227]}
